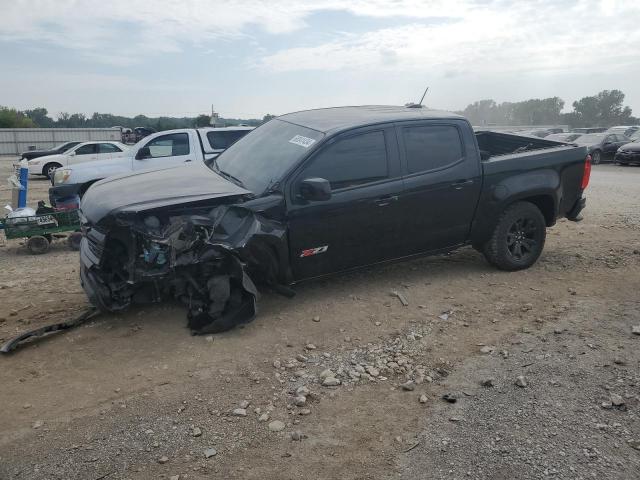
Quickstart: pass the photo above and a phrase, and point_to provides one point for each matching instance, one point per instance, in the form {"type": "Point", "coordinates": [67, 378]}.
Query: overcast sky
{"type": "Point", "coordinates": [249, 58]}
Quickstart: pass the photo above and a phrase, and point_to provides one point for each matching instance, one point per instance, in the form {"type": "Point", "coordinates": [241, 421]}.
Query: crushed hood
{"type": "Point", "coordinates": [150, 189]}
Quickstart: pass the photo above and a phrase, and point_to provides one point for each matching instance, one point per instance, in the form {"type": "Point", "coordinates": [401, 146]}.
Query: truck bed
{"type": "Point", "coordinates": [531, 164]}
{"type": "Point", "coordinates": [494, 144]}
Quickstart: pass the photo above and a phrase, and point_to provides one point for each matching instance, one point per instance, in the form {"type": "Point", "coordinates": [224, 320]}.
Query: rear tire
{"type": "Point", "coordinates": [49, 168]}
{"type": "Point", "coordinates": [596, 157]}
{"type": "Point", "coordinates": [38, 245]}
{"type": "Point", "coordinates": [518, 238]}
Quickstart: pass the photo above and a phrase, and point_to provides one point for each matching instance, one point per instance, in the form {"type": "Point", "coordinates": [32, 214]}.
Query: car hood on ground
{"type": "Point", "coordinates": [151, 189]}
{"type": "Point", "coordinates": [631, 147]}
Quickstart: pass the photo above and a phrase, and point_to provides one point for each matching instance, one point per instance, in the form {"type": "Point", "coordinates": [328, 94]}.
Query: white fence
{"type": "Point", "coordinates": [14, 141]}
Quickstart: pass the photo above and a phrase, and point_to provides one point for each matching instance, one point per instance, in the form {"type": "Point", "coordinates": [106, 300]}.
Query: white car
{"type": "Point", "coordinates": [165, 149]}
{"type": "Point", "coordinates": [82, 153]}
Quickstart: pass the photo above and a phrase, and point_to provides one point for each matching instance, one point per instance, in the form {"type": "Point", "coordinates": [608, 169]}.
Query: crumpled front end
{"type": "Point", "coordinates": [206, 261]}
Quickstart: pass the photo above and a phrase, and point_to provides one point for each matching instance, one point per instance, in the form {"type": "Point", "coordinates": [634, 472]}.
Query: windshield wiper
{"type": "Point", "coordinates": [227, 175]}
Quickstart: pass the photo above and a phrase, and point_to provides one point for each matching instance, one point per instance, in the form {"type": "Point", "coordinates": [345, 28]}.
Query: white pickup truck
{"type": "Point", "coordinates": [159, 150]}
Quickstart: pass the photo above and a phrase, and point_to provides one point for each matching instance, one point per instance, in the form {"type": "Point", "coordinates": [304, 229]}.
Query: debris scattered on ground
{"type": "Point", "coordinates": [163, 459]}
{"type": "Point", "coordinates": [488, 382]}
{"type": "Point", "coordinates": [521, 381]}
{"type": "Point", "coordinates": [450, 397]}
{"type": "Point", "coordinates": [401, 297]}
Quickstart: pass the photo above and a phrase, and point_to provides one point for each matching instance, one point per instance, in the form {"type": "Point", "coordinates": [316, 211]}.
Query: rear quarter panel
{"type": "Point", "coordinates": [552, 175]}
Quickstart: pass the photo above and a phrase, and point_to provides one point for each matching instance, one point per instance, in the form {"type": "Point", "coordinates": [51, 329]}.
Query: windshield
{"type": "Point", "coordinates": [263, 156]}
{"type": "Point", "coordinates": [590, 138]}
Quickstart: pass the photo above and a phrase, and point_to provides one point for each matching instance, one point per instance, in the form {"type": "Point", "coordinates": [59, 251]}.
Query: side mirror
{"type": "Point", "coordinates": [72, 154]}
{"type": "Point", "coordinates": [143, 153]}
{"type": "Point", "coordinates": [315, 189]}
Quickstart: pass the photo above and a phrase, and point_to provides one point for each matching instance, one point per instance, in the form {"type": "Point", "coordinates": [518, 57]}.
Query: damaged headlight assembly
{"type": "Point", "coordinates": [190, 258]}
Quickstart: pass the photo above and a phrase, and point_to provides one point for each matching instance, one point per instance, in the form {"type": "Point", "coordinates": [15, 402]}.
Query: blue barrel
{"type": "Point", "coordinates": [24, 183]}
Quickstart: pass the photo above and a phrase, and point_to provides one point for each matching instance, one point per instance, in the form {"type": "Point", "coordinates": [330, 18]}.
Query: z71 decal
{"type": "Point", "coordinates": [313, 251]}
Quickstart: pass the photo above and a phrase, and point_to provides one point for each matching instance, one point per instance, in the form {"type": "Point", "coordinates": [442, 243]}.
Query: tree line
{"type": "Point", "coordinates": [604, 109]}
{"type": "Point", "coordinates": [39, 117]}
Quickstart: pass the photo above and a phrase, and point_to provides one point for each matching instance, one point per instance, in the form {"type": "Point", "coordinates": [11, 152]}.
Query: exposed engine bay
{"type": "Point", "coordinates": [207, 259]}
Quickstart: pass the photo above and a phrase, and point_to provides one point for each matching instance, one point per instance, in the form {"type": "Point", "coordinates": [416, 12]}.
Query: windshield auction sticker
{"type": "Point", "coordinates": [305, 142]}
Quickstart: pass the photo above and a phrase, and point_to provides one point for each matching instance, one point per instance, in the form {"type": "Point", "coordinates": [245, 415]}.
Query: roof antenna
{"type": "Point", "coordinates": [418, 105]}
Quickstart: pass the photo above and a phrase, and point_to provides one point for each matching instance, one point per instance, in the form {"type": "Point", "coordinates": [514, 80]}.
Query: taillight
{"type": "Point", "coordinates": [587, 172]}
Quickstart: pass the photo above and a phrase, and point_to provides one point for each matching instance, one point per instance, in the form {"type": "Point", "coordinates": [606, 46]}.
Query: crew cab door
{"type": "Point", "coordinates": [165, 150]}
{"type": "Point", "coordinates": [84, 153]}
{"type": "Point", "coordinates": [442, 179]}
{"type": "Point", "coordinates": [358, 225]}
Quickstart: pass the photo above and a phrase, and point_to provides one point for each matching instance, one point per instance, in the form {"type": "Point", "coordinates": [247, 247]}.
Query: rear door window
{"type": "Point", "coordinates": [431, 147]}
{"type": "Point", "coordinates": [87, 149]}
{"type": "Point", "coordinates": [108, 148]}
{"type": "Point", "coordinates": [352, 161]}
{"type": "Point", "coordinates": [170, 145]}
{"type": "Point", "coordinates": [222, 140]}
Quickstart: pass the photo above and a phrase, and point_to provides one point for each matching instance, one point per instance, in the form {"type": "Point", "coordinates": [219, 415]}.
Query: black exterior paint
{"type": "Point", "coordinates": [400, 216]}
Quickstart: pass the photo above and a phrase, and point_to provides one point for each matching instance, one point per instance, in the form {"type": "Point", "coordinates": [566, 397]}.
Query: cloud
{"type": "Point", "coordinates": [131, 27]}
{"type": "Point", "coordinates": [488, 37]}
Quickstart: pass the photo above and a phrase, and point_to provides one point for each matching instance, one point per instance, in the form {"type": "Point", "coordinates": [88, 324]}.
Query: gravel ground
{"type": "Point", "coordinates": [344, 381]}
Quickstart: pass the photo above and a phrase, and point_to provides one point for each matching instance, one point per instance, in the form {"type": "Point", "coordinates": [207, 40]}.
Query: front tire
{"type": "Point", "coordinates": [596, 157]}
{"type": "Point", "coordinates": [49, 168]}
{"type": "Point", "coordinates": [518, 238]}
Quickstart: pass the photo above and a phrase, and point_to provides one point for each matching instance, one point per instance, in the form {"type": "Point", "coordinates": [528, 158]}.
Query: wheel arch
{"type": "Point", "coordinates": [45, 167]}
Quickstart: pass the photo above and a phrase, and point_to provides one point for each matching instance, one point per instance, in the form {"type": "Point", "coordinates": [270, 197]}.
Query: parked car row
{"type": "Point", "coordinates": [79, 153]}
{"type": "Point", "coordinates": [617, 144]}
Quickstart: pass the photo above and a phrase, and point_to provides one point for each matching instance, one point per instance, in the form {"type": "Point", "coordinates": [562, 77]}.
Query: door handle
{"type": "Point", "coordinates": [187, 160]}
{"type": "Point", "coordinates": [460, 184]}
{"type": "Point", "coordinates": [386, 200]}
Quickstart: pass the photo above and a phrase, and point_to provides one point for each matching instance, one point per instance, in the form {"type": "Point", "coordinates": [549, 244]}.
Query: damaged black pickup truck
{"type": "Point", "coordinates": [317, 192]}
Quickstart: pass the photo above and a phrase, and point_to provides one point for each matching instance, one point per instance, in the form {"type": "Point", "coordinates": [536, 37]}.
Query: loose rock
{"type": "Point", "coordinates": [423, 399]}
{"type": "Point", "coordinates": [163, 459]}
{"type": "Point", "coordinates": [210, 452]}
{"type": "Point", "coordinates": [316, 319]}
{"type": "Point", "coordinates": [331, 382]}
{"type": "Point", "coordinates": [297, 436]}
{"type": "Point", "coordinates": [521, 381]}
{"type": "Point", "coordinates": [616, 400]}
{"type": "Point", "coordinates": [240, 412]}
{"type": "Point", "coordinates": [276, 426]}
{"type": "Point", "coordinates": [196, 432]}
{"type": "Point", "coordinates": [408, 386]}
{"type": "Point", "coordinates": [635, 329]}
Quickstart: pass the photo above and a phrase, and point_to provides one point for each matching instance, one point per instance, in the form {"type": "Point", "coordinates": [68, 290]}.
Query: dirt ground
{"type": "Point", "coordinates": [135, 396]}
